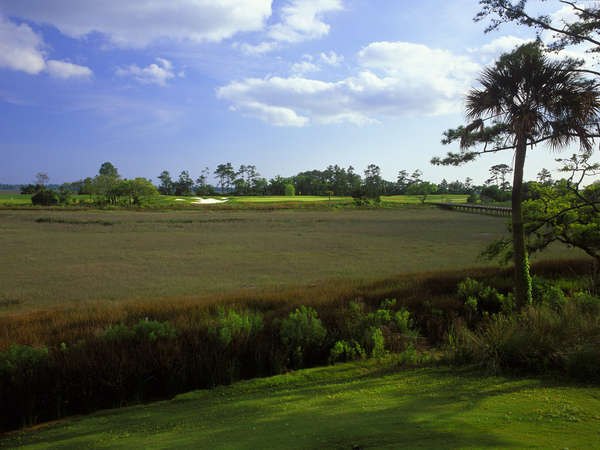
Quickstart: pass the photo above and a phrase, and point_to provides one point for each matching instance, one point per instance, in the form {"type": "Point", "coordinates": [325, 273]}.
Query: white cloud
{"type": "Point", "coordinates": [332, 58]}
{"type": "Point", "coordinates": [138, 23]}
{"type": "Point", "coordinates": [302, 20]}
{"type": "Point", "coordinates": [23, 50]}
{"type": "Point", "coordinates": [503, 44]}
{"type": "Point", "coordinates": [151, 74]}
{"type": "Point", "coordinates": [303, 67]}
{"type": "Point", "coordinates": [20, 48]}
{"type": "Point", "coordinates": [394, 79]}
{"type": "Point", "coordinates": [64, 70]}
{"type": "Point", "coordinates": [258, 49]}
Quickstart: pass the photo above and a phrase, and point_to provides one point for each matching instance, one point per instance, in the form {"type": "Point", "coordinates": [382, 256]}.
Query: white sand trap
{"type": "Point", "coordinates": [180, 199]}
{"type": "Point", "coordinates": [207, 201]}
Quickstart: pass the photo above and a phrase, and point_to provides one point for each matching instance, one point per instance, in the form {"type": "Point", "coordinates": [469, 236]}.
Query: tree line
{"type": "Point", "coordinates": [334, 180]}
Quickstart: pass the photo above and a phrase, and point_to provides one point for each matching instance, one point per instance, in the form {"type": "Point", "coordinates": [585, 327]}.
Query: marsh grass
{"type": "Point", "coordinates": [53, 257]}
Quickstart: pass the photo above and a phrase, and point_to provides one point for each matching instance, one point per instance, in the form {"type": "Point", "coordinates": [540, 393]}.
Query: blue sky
{"type": "Point", "coordinates": [286, 85]}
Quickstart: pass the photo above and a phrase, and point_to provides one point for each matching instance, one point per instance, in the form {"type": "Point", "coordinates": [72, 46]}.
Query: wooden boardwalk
{"type": "Point", "coordinates": [480, 209]}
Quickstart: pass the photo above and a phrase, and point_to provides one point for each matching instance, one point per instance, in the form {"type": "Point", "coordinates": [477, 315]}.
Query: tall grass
{"type": "Point", "coordinates": [77, 359]}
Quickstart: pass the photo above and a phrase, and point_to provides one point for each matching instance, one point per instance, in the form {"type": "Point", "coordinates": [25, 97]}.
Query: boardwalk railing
{"type": "Point", "coordinates": [481, 209]}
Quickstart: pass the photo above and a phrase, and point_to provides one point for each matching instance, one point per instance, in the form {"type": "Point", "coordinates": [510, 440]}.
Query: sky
{"type": "Point", "coordinates": [285, 85]}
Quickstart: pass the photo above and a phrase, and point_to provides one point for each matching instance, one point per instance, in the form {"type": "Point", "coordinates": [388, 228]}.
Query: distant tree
{"type": "Point", "coordinates": [226, 176]}
{"type": "Point", "coordinates": [202, 187]}
{"type": "Point", "coordinates": [107, 169]}
{"type": "Point", "coordinates": [42, 178]}
{"type": "Point", "coordinates": [544, 177]}
{"type": "Point", "coordinates": [166, 186]}
{"type": "Point", "coordinates": [443, 187]}
{"type": "Point", "coordinates": [373, 181]}
{"type": "Point", "coordinates": [185, 184]}
{"type": "Point", "coordinates": [277, 185]}
{"type": "Point", "coordinates": [135, 189]}
{"type": "Point", "coordinates": [403, 181]}
{"type": "Point", "coordinates": [422, 189]}
{"type": "Point", "coordinates": [289, 190]}
{"type": "Point", "coordinates": [498, 174]}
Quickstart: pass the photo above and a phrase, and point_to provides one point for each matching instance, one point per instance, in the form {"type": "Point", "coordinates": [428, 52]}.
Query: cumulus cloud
{"type": "Point", "coordinates": [157, 73]}
{"type": "Point", "coordinates": [503, 44]}
{"type": "Point", "coordinates": [258, 49]}
{"type": "Point", "coordinates": [64, 70]}
{"type": "Point", "coordinates": [302, 20]}
{"type": "Point", "coordinates": [303, 67]}
{"type": "Point", "coordinates": [332, 58]}
{"type": "Point", "coordinates": [138, 23]}
{"type": "Point", "coordinates": [394, 79]}
{"type": "Point", "coordinates": [23, 50]}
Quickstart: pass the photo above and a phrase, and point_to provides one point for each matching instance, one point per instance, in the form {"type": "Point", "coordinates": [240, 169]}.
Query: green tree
{"type": "Point", "coordinates": [544, 177]}
{"type": "Point", "coordinates": [528, 100]}
{"type": "Point", "coordinates": [498, 175]}
{"type": "Point", "coordinates": [185, 184]}
{"type": "Point", "coordinates": [565, 211]}
{"type": "Point", "coordinates": [107, 169]}
{"type": "Point", "coordinates": [289, 190]}
{"type": "Point", "coordinates": [135, 189]}
{"type": "Point", "coordinates": [226, 176]}
{"type": "Point", "coordinates": [373, 181]}
{"type": "Point", "coordinates": [166, 186]}
{"type": "Point", "coordinates": [422, 189]}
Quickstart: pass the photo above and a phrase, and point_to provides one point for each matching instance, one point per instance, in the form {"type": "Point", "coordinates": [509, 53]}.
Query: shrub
{"type": "Point", "coordinates": [144, 331]}
{"type": "Point", "coordinates": [485, 299]}
{"type": "Point", "coordinates": [346, 351]}
{"type": "Point", "coordinates": [231, 325]}
{"type": "Point", "coordinates": [586, 303]}
{"type": "Point", "coordinates": [538, 339]}
{"type": "Point", "coordinates": [376, 342]}
{"type": "Point", "coordinates": [302, 331]}
{"type": "Point", "coordinates": [44, 197]}
{"type": "Point", "coordinates": [24, 385]}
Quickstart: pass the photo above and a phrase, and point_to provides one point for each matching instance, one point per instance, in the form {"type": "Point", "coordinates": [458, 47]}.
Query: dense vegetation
{"type": "Point", "coordinates": [110, 356]}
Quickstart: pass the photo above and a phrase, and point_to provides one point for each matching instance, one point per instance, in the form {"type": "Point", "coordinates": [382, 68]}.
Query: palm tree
{"type": "Point", "coordinates": [529, 99]}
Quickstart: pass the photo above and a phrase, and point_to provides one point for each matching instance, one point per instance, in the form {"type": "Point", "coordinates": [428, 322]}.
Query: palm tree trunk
{"type": "Point", "coordinates": [522, 277]}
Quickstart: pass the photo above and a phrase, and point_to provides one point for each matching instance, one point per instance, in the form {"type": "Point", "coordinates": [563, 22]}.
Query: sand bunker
{"type": "Point", "coordinates": [207, 201]}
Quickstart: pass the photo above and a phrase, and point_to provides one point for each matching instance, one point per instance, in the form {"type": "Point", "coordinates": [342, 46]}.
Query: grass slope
{"type": "Point", "coordinates": [358, 405]}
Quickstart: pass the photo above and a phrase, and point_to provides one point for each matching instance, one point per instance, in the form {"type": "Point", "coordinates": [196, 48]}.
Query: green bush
{"type": "Point", "coordinates": [343, 351]}
{"type": "Point", "coordinates": [44, 197]}
{"type": "Point", "coordinates": [376, 342]}
{"type": "Point", "coordinates": [144, 331]}
{"type": "Point", "coordinates": [485, 299]}
{"type": "Point", "coordinates": [586, 303]}
{"type": "Point", "coordinates": [231, 325]}
{"type": "Point", "coordinates": [302, 331]}
{"type": "Point", "coordinates": [538, 339]}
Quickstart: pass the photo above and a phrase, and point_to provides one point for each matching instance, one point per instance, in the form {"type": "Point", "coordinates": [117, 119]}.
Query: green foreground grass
{"type": "Point", "coordinates": [50, 258]}
{"type": "Point", "coordinates": [359, 405]}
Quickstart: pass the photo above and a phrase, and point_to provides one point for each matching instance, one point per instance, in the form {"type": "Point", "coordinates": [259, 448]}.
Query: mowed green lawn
{"type": "Point", "coordinates": [358, 405]}
{"type": "Point", "coordinates": [52, 257]}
